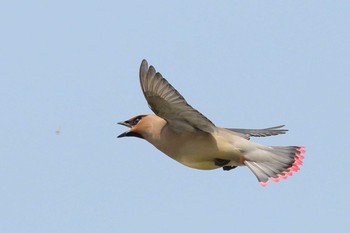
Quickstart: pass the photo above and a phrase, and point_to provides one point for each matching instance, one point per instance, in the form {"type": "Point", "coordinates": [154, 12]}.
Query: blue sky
{"type": "Point", "coordinates": [249, 64]}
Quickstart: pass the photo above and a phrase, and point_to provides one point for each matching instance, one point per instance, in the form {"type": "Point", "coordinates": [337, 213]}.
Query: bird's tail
{"type": "Point", "coordinates": [275, 163]}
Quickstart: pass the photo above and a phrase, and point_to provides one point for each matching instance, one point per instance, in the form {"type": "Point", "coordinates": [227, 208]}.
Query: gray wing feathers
{"type": "Point", "coordinates": [166, 102]}
{"type": "Point", "coordinates": [247, 133]}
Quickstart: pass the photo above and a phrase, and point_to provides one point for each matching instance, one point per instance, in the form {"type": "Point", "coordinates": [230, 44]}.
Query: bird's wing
{"type": "Point", "coordinates": [247, 133]}
{"type": "Point", "coordinates": [169, 104]}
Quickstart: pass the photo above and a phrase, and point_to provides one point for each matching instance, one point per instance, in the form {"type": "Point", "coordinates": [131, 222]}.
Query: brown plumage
{"type": "Point", "coordinates": [187, 136]}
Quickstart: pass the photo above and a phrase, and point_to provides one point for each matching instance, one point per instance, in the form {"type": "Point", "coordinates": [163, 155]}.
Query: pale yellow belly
{"type": "Point", "coordinates": [200, 152]}
{"type": "Point", "coordinates": [206, 161]}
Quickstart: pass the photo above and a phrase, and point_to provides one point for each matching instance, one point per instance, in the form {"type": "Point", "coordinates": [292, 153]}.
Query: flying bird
{"type": "Point", "coordinates": [187, 136]}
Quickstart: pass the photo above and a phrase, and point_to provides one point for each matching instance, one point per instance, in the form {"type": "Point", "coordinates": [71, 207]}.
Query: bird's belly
{"type": "Point", "coordinates": [202, 152]}
{"type": "Point", "coordinates": [206, 161]}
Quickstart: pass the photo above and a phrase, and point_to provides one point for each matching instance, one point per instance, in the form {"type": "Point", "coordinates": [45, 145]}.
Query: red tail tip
{"type": "Point", "coordinates": [294, 168]}
{"type": "Point", "coordinates": [264, 183]}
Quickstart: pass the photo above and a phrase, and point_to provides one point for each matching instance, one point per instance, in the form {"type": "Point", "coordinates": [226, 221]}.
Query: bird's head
{"type": "Point", "coordinates": [148, 127]}
{"type": "Point", "coordinates": [136, 124]}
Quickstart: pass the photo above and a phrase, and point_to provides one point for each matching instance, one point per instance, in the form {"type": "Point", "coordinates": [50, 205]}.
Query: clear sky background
{"type": "Point", "coordinates": [74, 65]}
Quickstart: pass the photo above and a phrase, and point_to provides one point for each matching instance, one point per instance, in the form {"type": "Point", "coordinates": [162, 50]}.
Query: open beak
{"type": "Point", "coordinates": [125, 123]}
{"type": "Point", "coordinates": [125, 134]}
{"type": "Point", "coordinates": [128, 133]}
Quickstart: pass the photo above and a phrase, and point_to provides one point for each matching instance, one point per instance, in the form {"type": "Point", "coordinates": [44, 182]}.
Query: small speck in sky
{"type": "Point", "coordinates": [58, 131]}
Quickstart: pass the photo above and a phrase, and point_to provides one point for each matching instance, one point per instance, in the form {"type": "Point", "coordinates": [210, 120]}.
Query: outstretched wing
{"type": "Point", "coordinates": [169, 104]}
{"type": "Point", "coordinates": [247, 133]}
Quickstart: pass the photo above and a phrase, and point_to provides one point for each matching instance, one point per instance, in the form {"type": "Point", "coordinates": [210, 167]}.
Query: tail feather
{"type": "Point", "coordinates": [274, 163]}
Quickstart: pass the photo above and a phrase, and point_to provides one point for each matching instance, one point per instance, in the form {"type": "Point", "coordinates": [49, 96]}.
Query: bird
{"type": "Point", "coordinates": [187, 136]}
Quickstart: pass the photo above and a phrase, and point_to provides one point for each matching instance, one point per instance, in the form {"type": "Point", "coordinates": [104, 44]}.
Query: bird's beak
{"type": "Point", "coordinates": [129, 133]}
{"type": "Point", "coordinates": [125, 134]}
{"type": "Point", "coordinates": [125, 123]}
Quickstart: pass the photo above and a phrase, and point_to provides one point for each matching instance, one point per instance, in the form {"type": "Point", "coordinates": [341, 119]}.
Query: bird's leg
{"type": "Point", "coordinates": [221, 162]}
{"type": "Point", "coordinates": [227, 168]}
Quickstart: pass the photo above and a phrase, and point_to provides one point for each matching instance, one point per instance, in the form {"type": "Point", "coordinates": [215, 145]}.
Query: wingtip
{"type": "Point", "coordinates": [144, 61]}
{"type": "Point", "coordinates": [143, 68]}
{"type": "Point", "coordinates": [144, 65]}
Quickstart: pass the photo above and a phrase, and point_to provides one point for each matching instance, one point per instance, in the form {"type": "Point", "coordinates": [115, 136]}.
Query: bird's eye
{"type": "Point", "coordinates": [136, 120]}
